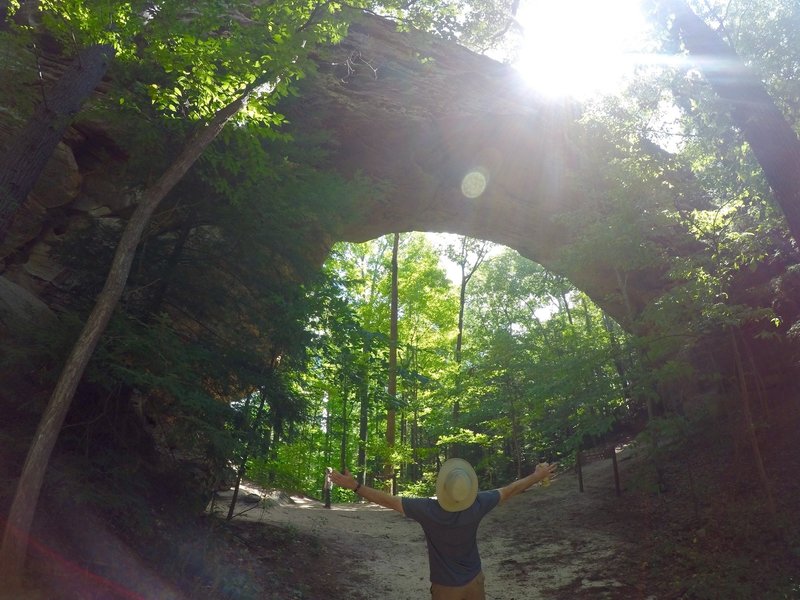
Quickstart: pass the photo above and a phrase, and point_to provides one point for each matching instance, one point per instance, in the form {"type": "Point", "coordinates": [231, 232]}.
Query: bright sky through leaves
{"type": "Point", "coordinates": [579, 48]}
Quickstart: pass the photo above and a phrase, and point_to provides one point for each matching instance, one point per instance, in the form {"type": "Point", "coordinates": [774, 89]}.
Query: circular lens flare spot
{"type": "Point", "coordinates": [474, 183]}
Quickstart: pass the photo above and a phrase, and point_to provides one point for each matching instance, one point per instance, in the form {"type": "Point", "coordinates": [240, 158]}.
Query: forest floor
{"type": "Point", "coordinates": [687, 540]}
{"type": "Point", "coordinates": [546, 543]}
{"type": "Point", "coordinates": [704, 533]}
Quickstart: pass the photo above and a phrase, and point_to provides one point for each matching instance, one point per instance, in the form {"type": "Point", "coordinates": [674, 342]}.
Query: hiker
{"type": "Point", "coordinates": [450, 522]}
{"type": "Point", "coordinates": [326, 487]}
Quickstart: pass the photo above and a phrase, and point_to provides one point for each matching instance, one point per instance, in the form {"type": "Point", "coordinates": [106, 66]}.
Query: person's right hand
{"type": "Point", "coordinates": [345, 480]}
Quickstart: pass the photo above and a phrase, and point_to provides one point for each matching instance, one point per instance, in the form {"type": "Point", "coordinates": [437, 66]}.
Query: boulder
{"type": "Point", "coordinates": [18, 307]}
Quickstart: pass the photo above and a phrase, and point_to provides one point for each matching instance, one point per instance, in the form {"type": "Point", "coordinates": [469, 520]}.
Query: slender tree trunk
{"type": "Point", "coordinates": [391, 413]}
{"type": "Point", "coordinates": [414, 433]}
{"type": "Point", "coordinates": [467, 271]}
{"type": "Point", "coordinates": [563, 302]}
{"type": "Point", "coordinates": [172, 264]}
{"type": "Point", "coordinates": [773, 140]}
{"type": "Point", "coordinates": [515, 441]}
{"type": "Point", "coordinates": [363, 418]}
{"type": "Point", "coordinates": [648, 398]}
{"type": "Point", "coordinates": [617, 357]}
{"type": "Point", "coordinates": [270, 451]}
{"type": "Point", "coordinates": [238, 482]}
{"type": "Point", "coordinates": [328, 435]}
{"type": "Point", "coordinates": [587, 316]}
{"type": "Point", "coordinates": [23, 161]}
{"type": "Point", "coordinates": [403, 441]}
{"type": "Point", "coordinates": [415, 444]}
{"type": "Point", "coordinates": [751, 428]}
{"type": "Point", "coordinates": [462, 300]}
{"type": "Point", "coordinates": [343, 439]}
{"type": "Point", "coordinates": [250, 428]}
{"type": "Point", "coordinates": [15, 537]}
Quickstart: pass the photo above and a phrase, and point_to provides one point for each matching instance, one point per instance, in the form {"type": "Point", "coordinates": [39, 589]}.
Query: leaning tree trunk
{"type": "Point", "coordinates": [26, 157]}
{"type": "Point", "coordinates": [774, 142]}
{"type": "Point", "coordinates": [15, 537]}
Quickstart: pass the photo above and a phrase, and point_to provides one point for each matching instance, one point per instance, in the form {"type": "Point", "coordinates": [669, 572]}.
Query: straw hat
{"type": "Point", "coordinates": [456, 485]}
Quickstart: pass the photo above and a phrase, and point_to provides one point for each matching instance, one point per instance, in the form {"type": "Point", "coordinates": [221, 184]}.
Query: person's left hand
{"type": "Point", "coordinates": [545, 470]}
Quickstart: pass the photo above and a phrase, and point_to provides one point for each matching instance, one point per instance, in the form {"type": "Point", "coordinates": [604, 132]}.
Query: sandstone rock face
{"type": "Point", "coordinates": [464, 146]}
{"type": "Point", "coordinates": [456, 140]}
{"type": "Point", "coordinates": [58, 186]}
{"type": "Point", "coordinates": [20, 307]}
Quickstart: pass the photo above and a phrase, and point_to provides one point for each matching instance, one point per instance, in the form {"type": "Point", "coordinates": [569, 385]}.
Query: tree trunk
{"type": "Point", "coordinates": [403, 441]}
{"type": "Point", "coordinates": [23, 161]}
{"type": "Point", "coordinates": [462, 300]}
{"type": "Point", "coordinates": [15, 537]}
{"type": "Point", "coordinates": [480, 251]}
{"type": "Point", "coordinates": [617, 357]}
{"type": "Point", "coordinates": [512, 393]}
{"type": "Point", "coordinates": [250, 428]}
{"type": "Point", "coordinates": [363, 420]}
{"type": "Point", "coordinates": [751, 428]}
{"type": "Point", "coordinates": [162, 287]}
{"type": "Point", "coordinates": [515, 434]}
{"type": "Point", "coordinates": [392, 387]}
{"type": "Point", "coordinates": [415, 471]}
{"type": "Point", "coordinates": [235, 497]}
{"type": "Point", "coordinates": [328, 452]}
{"type": "Point", "coordinates": [562, 301]}
{"type": "Point", "coordinates": [414, 433]}
{"type": "Point", "coordinates": [343, 438]}
{"type": "Point", "coordinates": [774, 142]}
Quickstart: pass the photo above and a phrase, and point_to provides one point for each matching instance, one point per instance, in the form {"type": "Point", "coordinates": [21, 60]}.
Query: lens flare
{"type": "Point", "coordinates": [474, 183]}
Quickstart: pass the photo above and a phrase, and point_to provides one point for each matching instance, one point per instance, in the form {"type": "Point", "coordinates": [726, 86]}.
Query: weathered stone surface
{"type": "Point", "coordinates": [58, 186]}
{"type": "Point", "coordinates": [421, 114]}
{"type": "Point", "coordinates": [60, 181]}
{"type": "Point", "coordinates": [40, 265]}
{"type": "Point", "coordinates": [18, 306]}
{"type": "Point", "coordinates": [417, 114]}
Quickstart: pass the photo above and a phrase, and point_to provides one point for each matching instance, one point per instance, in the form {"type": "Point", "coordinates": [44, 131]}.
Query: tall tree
{"type": "Point", "coordinates": [427, 310]}
{"type": "Point", "coordinates": [468, 254]}
{"type": "Point", "coordinates": [772, 138]}
{"type": "Point", "coordinates": [364, 405]}
{"type": "Point", "coordinates": [23, 508]}
{"type": "Point", "coordinates": [15, 537]}
{"type": "Point", "coordinates": [250, 424]}
{"type": "Point", "coordinates": [541, 384]}
{"type": "Point", "coordinates": [391, 412]}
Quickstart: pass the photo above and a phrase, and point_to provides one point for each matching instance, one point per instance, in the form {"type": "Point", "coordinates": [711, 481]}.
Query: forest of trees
{"type": "Point", "coordinates": [540, 370]}
{"type": "Point", "coordinates": [206, 318]}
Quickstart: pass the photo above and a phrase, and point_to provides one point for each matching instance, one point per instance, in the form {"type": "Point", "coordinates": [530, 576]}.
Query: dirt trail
{"type": "Point", "coordinates": [547, 543]}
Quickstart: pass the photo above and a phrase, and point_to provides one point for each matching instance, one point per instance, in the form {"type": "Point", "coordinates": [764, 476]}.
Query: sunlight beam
{"type": "Point", "coordinates": [579, 48]}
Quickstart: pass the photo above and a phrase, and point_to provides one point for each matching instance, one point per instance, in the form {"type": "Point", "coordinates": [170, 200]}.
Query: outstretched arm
{"type": "Point", "coordinates": [346, 480]}
{"type": "Point", "coordinates": [543, 470]}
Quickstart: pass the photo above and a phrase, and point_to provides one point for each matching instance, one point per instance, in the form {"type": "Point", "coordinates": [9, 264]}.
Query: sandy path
{"type": "Point", "coordinates": [545, 543]}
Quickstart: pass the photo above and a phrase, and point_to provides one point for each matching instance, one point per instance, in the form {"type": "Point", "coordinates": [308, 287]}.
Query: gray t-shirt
{"type": "Point", "coordinates": [451, 536]}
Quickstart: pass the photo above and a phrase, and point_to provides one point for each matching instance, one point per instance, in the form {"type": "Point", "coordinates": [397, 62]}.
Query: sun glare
{"type": "Point", "coordinates": [579, 48]}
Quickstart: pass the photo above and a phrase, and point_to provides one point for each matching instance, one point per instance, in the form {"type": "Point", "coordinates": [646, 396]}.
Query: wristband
{"type": "Point", "coordinates": [355, 489]}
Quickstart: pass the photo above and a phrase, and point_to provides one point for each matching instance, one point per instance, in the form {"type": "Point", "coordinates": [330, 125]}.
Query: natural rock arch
{"type": "Point", "coordinates": [415, 114]}
{"type": "Point", "coordinates": [420, 114]}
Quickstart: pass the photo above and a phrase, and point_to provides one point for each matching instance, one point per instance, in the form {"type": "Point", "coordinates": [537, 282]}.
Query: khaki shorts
{"type": "Point", "coordinates": [474, 590]}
